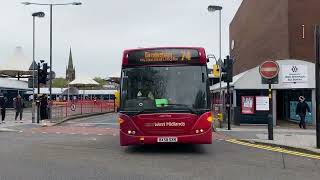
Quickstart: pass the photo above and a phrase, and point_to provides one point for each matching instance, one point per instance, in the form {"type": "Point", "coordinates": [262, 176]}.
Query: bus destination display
{"type": "Point", "coordinates": [184, 56]}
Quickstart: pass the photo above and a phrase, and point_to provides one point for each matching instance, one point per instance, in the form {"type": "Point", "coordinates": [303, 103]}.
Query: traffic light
{"type": "Point", "coordinates": [42, 73]}
{"type": "Point", "coordinates": [216, 71]}
{"type": "Point", "coordinates": [227, 69]}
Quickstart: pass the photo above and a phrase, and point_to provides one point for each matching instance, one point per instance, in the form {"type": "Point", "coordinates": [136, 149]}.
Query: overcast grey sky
{"type": "Point", "coordinates": [99, 30]}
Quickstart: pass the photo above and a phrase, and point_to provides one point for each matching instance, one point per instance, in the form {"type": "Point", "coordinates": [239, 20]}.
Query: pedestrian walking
{"type": "Point", "coordinates": [18, 105]}
{"type": "Point", "coordinates": [3, 102]}
{"type": "Point", "coordinates": [301, 110]}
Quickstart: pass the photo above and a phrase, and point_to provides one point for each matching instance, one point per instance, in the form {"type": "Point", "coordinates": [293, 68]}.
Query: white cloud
{"type": "Point", "coordinates": [100, 30]}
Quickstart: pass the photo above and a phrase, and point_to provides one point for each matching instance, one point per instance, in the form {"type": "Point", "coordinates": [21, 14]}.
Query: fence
{"type": "Point", "coordinates": [61, 110]}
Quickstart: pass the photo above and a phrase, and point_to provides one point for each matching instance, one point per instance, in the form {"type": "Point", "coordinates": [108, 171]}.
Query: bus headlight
{"type": "Point", "coordinates": [131, 132]}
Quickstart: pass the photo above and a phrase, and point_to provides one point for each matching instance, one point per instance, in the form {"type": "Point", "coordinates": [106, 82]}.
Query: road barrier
{"type": "Point", "coordinates": [62, 110]}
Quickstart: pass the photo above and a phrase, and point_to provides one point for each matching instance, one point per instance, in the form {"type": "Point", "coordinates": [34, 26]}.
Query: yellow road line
{"type": "Point", "coordinates": [274, 149]}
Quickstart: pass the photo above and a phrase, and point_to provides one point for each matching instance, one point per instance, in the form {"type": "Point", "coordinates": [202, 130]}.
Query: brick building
{"type": "Point", "coordinates": [276, 29]}
{"type": "Point", "coordinates": [281, 30]}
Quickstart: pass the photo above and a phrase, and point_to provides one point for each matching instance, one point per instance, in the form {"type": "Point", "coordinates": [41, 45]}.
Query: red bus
{"type": "Point", "coordinates": [164, 96]}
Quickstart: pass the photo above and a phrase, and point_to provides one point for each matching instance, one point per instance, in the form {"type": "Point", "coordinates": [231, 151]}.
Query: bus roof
{"type": "Point", "coordinates": [154, 48]}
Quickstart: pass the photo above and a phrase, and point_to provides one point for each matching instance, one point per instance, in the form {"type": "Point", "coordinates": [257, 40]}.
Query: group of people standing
{"type": "Point", "coordinates": [18, 105]}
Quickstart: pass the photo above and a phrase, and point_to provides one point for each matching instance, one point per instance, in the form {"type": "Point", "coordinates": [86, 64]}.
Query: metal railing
{"type": "Point", "coordinates": [62, 110]}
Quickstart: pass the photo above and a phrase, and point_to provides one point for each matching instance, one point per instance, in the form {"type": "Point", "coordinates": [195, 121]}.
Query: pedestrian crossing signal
{"type": "Point", "coordinates": [216, 71]}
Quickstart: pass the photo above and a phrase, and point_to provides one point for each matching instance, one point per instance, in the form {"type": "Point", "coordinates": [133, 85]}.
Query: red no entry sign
{"type": "Point", "coordinates": [269, 69]}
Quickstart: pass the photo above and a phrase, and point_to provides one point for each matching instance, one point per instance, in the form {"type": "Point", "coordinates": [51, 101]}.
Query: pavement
{"type": "Point", "coordinates": [88, 148]}
{"type": "Point", "coordinates": [26, 123]}
{"type": "Point", "coordinates": [284, 136]}
{"type": "Point", "coordinates": [12, 125]}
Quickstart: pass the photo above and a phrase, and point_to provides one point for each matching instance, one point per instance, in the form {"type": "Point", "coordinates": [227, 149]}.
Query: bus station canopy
{"type": "Point", "coordinates": [251, 79]}
{"type": "Point", "coordinates": [84, 82]}
{"type": "Point", "coordinates": [13, 84]}
{"type": "Point", "coordinates": [17, 66]}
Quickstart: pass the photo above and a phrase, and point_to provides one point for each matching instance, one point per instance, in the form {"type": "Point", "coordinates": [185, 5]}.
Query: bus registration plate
{"type": "Point", "coordinates": [167, 139]}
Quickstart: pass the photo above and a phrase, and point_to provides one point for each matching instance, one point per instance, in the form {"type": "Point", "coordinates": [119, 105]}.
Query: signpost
{"type": "Point", "coordinates": [269, 71]}
{"type": "Point", "coordinates": [317, 73]}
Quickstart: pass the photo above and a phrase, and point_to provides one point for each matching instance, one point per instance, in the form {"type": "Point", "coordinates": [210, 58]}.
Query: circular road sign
{"type": "Point", "coordinates": [269, 69]}
{"type": "Point", "coordinates": [73, 107]}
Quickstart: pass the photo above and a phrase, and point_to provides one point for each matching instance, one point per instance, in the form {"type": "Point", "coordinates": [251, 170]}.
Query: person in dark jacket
{"type": "Point", "coordinates": [3, 102]}
{"type": "Point", "coordinates": [18, 105]}
{"type": "Point", "coordinates": [301, 110]}
{"type": "Point", "coordinates": [43, 107]}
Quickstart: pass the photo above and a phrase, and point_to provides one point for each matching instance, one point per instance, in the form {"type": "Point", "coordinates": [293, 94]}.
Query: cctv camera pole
{"type": "Point", "coordinates": [317, 40]}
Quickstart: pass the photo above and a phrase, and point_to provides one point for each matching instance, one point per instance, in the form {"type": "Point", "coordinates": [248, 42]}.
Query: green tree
{"type": "Point", "coordinates": [101, 81]}
{"type": "Point", "coordinates": [59, 83]}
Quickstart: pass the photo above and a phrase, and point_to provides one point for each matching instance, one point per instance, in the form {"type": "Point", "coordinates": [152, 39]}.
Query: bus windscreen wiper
{"type": "Point", "coordinates": [183, 105]}
{"type": "Point", "coordinates": [142, 111]}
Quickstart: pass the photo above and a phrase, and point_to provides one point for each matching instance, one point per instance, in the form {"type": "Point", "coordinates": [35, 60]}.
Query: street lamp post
{"type": "Point", "coordinates": [51, 5]}
{"type": "Point", "coordinates": [212, 8]}
{"type": "Point", "coordinates": [34, 15]}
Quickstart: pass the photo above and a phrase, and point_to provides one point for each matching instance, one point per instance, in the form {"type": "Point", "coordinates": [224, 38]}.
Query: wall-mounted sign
{"type": "Point", "coordinates": [262, 103]}
{"type": "Point", "coordinates": [247, 105]}
{"type": "Point", "coordinates": [294, 73]}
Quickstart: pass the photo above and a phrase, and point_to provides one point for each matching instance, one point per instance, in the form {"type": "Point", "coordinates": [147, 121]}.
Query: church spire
{"type": "Point", "coordinates": [70, 70]}
{"type": "Point", "coordinates": [70, 63]}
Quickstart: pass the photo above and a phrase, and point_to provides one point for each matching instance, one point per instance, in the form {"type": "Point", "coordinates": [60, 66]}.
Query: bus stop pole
{"type": "Point", "coordinates": [317, 46]}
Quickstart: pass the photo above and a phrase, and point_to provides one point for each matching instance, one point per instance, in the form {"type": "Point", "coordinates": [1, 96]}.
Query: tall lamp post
{"type": "Point", "coordinates": [212, 8]}
{"type": "Point", "coordinates": [51, 5]}
{"type": "Point", "coordinates": [34, 15]}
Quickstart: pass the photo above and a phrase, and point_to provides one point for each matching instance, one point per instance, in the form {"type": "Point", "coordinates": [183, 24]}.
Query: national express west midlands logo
{"type": "Point", "coordinates": [165, 124]}
{"type": "Point", "coordinates": [294, 69]}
